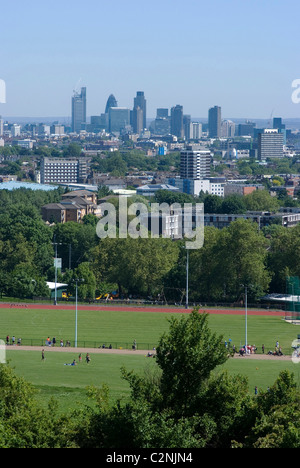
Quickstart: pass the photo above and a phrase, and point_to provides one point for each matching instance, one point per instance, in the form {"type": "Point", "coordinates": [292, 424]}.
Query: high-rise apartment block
{"type": "Point", "coordinates": [214, 122]}
{"type": "Point", "coordinates": [79, 111]}
{"type": "Point", "coordinates": [270, 144]}
{"type": "Point", "coordinates": [63, 170]}
{"type": "Point", "coordinates": [195, 164]}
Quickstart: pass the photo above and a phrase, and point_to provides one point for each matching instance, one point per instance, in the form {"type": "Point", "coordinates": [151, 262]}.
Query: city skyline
{"type": "Point", "coordinates": [241, 57]}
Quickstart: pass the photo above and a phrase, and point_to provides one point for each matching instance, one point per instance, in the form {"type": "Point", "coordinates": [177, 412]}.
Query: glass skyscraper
{"type": "Point", "coordinates": [79, 110]}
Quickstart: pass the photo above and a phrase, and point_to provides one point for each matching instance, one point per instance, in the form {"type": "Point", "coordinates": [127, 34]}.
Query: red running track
{"type": "Point", "coordinates": [132, 308]}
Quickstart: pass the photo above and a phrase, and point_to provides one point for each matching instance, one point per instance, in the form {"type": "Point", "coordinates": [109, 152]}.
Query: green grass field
{"type": "Point", "coordinates": [68, 384]}
{"type": "Point", "coordinates": [121, 328]}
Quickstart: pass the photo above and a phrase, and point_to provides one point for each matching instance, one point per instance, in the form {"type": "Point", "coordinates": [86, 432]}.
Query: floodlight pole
{"type": "Point", "coordinates": [55, 297]}
{"type": "Point", "coordinates": [76, 313]}
{"type": "Point", "coordinates": [246, 317]}
{"type": "Point", "coordinates": [187, 279]}
{"type": "Point", "coordinates": [77, 280]}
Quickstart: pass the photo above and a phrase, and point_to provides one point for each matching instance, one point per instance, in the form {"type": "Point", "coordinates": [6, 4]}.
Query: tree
{"type": "Point", "coordinates": [241, 257]}
{"type": "Point", "coordinates": [261, 200]}
{"type": "Point", "coordinates": [137, 265]}
{"type": "Point", "coordinates": [23, 423]}
{"type": "Point", "coordinates": [233, 204]}
{"type": "Point", "coordinates": [186, 355]}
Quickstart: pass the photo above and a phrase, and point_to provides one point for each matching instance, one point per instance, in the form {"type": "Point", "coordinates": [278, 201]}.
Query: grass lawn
{"type": "Point", "coordinates": [121, 328]}
{"type": "Point", "coordinates": [68, 384]}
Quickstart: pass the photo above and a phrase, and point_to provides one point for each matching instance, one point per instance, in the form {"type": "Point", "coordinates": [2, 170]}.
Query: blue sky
{"type": "Point", "coordinates": [239, 54]}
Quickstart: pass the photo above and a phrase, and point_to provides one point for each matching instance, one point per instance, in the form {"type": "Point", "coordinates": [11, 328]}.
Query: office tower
{"type": "Point", "coordinates": [79, 110]}
{"type": "Point", "coordinates": [195, 164]}
{"type": "Point", "coordinates": [1, 126]}
{"type": "Point", "coordinates": [137, 120]}
{"type": "Point", "coordinates": [177, 121]}
{"type": "Point", "coordinates": [162, 113]}
{"type": "Point", "coordinates": [277, 123]}
{"type": "Point", "coordinates": [66, 170]}
{"type": "Point", "coordinates": [161, 125]}
{"type": "Point", "coordinates": [246, 129]}
{"type": "Point", "coordinates": [111, 102]}
{"type": "Point", "coordinates": [187, 127]}
{"type": "Point", "coordinates": [118, 119]}
{"type": "Point", "coordinates": [214, 122]}
{"type": "Point", "coordinates": [140, 101]}
{"type": "Point", "coordinates": [270, 144]}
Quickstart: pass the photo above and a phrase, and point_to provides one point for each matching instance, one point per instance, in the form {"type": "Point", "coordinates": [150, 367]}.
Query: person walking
{"type": "Point", "coordinates": [43, 355]}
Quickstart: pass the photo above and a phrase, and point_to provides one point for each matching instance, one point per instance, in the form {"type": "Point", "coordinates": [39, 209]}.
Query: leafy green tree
{"type": "Point", "coordinates": [23, 423]}
{"type": "Point", "coordinates": [233, 204]}
{"type": "Point", "coordinates": [186, 355]}
{"type": "Point", "coordinates": [261, 200]}
{"type": "Point", "coordinates": [137, 265]}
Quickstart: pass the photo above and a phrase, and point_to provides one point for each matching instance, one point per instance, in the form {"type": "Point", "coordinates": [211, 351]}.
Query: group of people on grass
{"type": "Point", "coordinates": [74, 363]}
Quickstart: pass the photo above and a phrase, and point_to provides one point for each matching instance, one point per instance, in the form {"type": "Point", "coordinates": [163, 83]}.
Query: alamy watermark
{"type": "Point", "coordinates": [2, 92]}
{"type": "Point", "coordinates": [296, 93]}
{"type": "Point", "coordinates": [162, 221]}
{"type": "Point", "coordinates": [2, 352]}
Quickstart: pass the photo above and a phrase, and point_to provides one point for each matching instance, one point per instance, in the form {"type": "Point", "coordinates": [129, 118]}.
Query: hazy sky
{"type": "Point", "coordinates": [239, 54]}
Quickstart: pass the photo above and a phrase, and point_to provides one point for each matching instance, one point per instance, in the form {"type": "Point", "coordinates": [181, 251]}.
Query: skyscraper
{"type": "Point", "coordinates": [137, 120]}
{"type": "Point", "coordinates": [111, 102]}
{"type": "Point", "coordinates": [118, 119]}
{"type": "Point", "coordinates": [140, 101]}
{"type": "Point", "coordinates": [177, 121]}
{"type": "Point", "coordinates": [78, 110]}
{"type": "Point", "coordinates": [214, 122]}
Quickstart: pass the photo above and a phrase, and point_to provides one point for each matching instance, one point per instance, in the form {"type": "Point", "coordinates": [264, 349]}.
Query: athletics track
{"type": "Point", "coordinates": [136, 308]}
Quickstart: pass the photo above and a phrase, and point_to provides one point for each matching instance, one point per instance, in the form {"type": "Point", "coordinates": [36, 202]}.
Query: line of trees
{"type": "Point", "coordinates": [231, 257]}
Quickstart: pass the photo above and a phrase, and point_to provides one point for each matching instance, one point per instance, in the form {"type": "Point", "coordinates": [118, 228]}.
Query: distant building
{"type": "Point", "coordinates": [111, 102]}
{"type": "Point", "coordinates": [214, 122]}
{"type": "Point", "coordinates": [270, 144]}
{"type": "Point", "coordinates": [162, 125]}
{"type": "Point", "coordinates": [63, 170]}
{"type": "Point", "coordinates": [137, 120]}
{"type": "Point", "coordinates": [277, 123]}
{"type": "Point", "coordinates": [246, 129]}
{"type": "Point", "coordinates": [213, 186]}
{"type": "Point", "coordinates": [195, 131]}
{"type": "Point", "coordinates": [118, 119]}
{"type": "Point", "coordinates": [177, 128]}
{"type": "Point", "coordinates": [227, 129]}
{"type": "Point", "coordinates": [79, 111]}
{"type": "Point", "coordinates": [152, 189]}
{"type": "Point", "coordinates": [195, 164]}
{"type": "Point", "coordinates": [241, 189]}
{"type": "Point", "coordinates": [141, 104]}
{"type": "Point", "coordinates": [73, 207]}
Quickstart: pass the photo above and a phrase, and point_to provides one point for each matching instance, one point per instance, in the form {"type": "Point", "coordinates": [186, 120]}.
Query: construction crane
{"type": "Point", "coordinates": [270, 125]}
{"type": "Point", "coordinates": [75, 90]}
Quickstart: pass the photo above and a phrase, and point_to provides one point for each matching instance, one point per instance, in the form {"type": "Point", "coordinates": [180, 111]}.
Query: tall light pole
{"type": "Point", "coordinates": [76, 309]}
{"type": "Point", "coordinates": [55, 245]}
{"type": "Point", "coordinates": [187, 278]}
{"type": "Point", "coordinates": [246, 317]}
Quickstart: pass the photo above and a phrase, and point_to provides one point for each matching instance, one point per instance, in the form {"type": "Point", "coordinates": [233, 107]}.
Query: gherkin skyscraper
{"type": "Point", "coordinates": [111, 102]}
